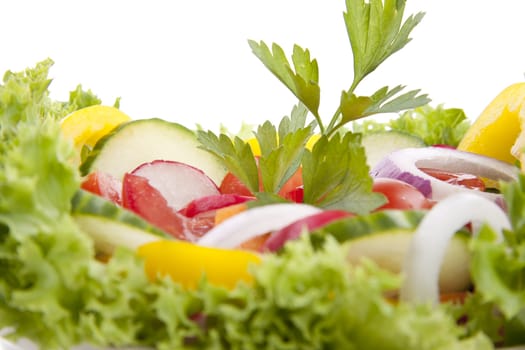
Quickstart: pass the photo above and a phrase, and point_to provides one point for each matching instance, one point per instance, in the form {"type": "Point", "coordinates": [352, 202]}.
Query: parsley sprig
{"type": "Point", "coordinates": [282, 149]}
{"type": "Point", "coordinates": [376, 31]}
{"type": "Point", "coordinates": [335, 173]}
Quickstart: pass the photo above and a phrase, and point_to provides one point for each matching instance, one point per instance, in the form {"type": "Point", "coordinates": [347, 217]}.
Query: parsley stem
{"type": "Point", "coordinates": [332, 126]}
{"type": "Point", "coordinates": [320, 123]}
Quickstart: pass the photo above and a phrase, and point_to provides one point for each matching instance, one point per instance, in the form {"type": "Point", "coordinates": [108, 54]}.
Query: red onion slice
{"type": "Point", "coordinates": [405, 165]}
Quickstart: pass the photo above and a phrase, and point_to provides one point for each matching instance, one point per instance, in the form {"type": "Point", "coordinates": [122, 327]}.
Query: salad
{"type": "Point", "coordinates": [340, 233]}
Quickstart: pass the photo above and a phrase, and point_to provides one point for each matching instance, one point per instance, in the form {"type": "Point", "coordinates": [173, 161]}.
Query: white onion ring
{"type": "Point", "coordinates": [405, 165]}
{"type": "Point", "coordinates": [255, 222]}
{"type": "Point", "coordinates": [429, 244]}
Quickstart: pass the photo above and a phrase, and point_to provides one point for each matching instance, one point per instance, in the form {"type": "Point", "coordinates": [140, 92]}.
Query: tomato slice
{"type": "Point", "coordinates": [459, 179]}
{"type": "Point", "coordinates": [104, 185]}
{"type": "Point", "coordinates": [145, 200]}
{"type": "Point", "coordinates": [231, 184]}
{"type": "Point", "coordinates": [400, 195]}
{"type": "Point", "coordinates": [294, 182]}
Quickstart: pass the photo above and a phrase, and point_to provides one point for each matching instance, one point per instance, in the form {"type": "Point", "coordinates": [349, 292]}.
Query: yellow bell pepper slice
{"type": "Point", "coordinates": [186, 263]}
{"type": "Point", "coordinates": [87, 125]}
{"type": "Point", "coordinates": [495, 132]}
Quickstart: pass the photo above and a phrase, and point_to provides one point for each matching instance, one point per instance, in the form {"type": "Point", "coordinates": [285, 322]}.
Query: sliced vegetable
{"type": "Point", "coordinates": [145, 200]}
{"type": "Point", "coordinates": [389, 249]}
{"type": "Point", "coordinates": [431, 239]}
{"type": "Point", "coordinates": [381, 143]}
{"type": "Point", "coordinates": [140, 141]}
{"type": "Point", "coordinates": [399, 194]}
{"type": "Point", "coordinates": [460, 179]}
{"type": "Point", "coordinates": [498, 131]}
{"type": "Point", "coordinates": [179, 183]}
{"type": "Point", "coordinates": [110, 225]}
{"type": "Point", "coordinates": [278, 239]}
{"type": "Point", "coordinates": [103, 185]}
{"type": "Point", "coordinates": [231, 184]}
{"type": "Point", "coordinates": [255, 222]}
{"type": "Point", "coordinates": [385, 237]}
{"type": "Point", "coordinates": [89, 124]}
{"type": "Point", "coordinates": [188, 263]}
{"type": "Point", "coordinates": [406, 165]}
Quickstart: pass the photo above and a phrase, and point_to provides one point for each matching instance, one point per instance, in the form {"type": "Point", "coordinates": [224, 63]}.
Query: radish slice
{"type": "Point", "coordinates": [428, 246]}
{"type": "Point", "coordinates": [178, 182]}
{"type": "Point", "coordinates": [255, 222]}
{"type": "Point", "coordinates": [405, 165]}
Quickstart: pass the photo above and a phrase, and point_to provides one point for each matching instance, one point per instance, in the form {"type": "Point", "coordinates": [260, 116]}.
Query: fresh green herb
{"type": "Point", "coordinates": [376, 31]}
{"type": "Point", "coordinates": [335, 174]}
{"type": "Point", "coordinates": [282, 149]}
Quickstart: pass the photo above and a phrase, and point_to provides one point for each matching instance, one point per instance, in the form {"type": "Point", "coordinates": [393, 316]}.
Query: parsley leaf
{"type": "Point", "coordinates": [302, 81]}
{"type": "Point", "coordinates": [236, 154]}
{"type": "Point", "coordinates": [376, 31]}
{"type": "Point", "coordinates": [281, 147]}
{"type": "Point", "coordinates": [335, 175]}
{"type": "Point", "coordinates": [382, 101]}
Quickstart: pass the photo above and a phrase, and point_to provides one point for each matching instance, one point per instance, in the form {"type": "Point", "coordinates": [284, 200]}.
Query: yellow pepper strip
{"type": "Point", "coordinates": [186, 263]}
{"type": "Point", "coordinates": [496, 130]}
{"type": "Point", "coordinates": [89, 124]}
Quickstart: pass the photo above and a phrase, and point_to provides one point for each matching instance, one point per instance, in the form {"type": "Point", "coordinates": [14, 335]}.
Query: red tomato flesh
{"type": "Point", "coordinates": [400, 195]}
{"type": "Point", "coordinates": [104, 185]}
{"type": "Point", "coordinates": [458, 179]}
{"type": "Point", "coordinates": [231, 184]}
{"type": "Point", "coordinates": [145, 200]}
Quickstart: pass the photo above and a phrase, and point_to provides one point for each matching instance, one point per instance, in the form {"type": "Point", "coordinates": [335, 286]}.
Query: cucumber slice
{"type": "Point", "coordinates": [384, 237]}
{"type": "Point", "coordinates": [381, 143]}
{"type": "Point", "coordinates": [144, 140]}
{"type": "Point", "coordinates": [110, 225]}
{"type": "Point", "coordinates": [388, 250]}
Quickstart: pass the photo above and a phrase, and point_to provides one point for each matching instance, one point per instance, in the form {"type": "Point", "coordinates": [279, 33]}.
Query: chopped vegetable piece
{"type": "Point", "coordinates": [188, 263]}
{"type": "Point", "coordinates": [495, 132]}
{"type": "Point", "coordinates": [179, 183]}
{"type": "Point", "coordinates": [139, 196]}
{"type": "Point", "coordinates": [89, 124]}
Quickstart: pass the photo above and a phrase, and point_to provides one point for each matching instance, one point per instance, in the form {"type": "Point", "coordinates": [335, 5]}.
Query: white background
{"type": "Point", "coordinates": [189, 61]}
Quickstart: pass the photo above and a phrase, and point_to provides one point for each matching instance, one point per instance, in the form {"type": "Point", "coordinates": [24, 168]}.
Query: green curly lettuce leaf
{"type": "Point", "coordinates": [434, 125]}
